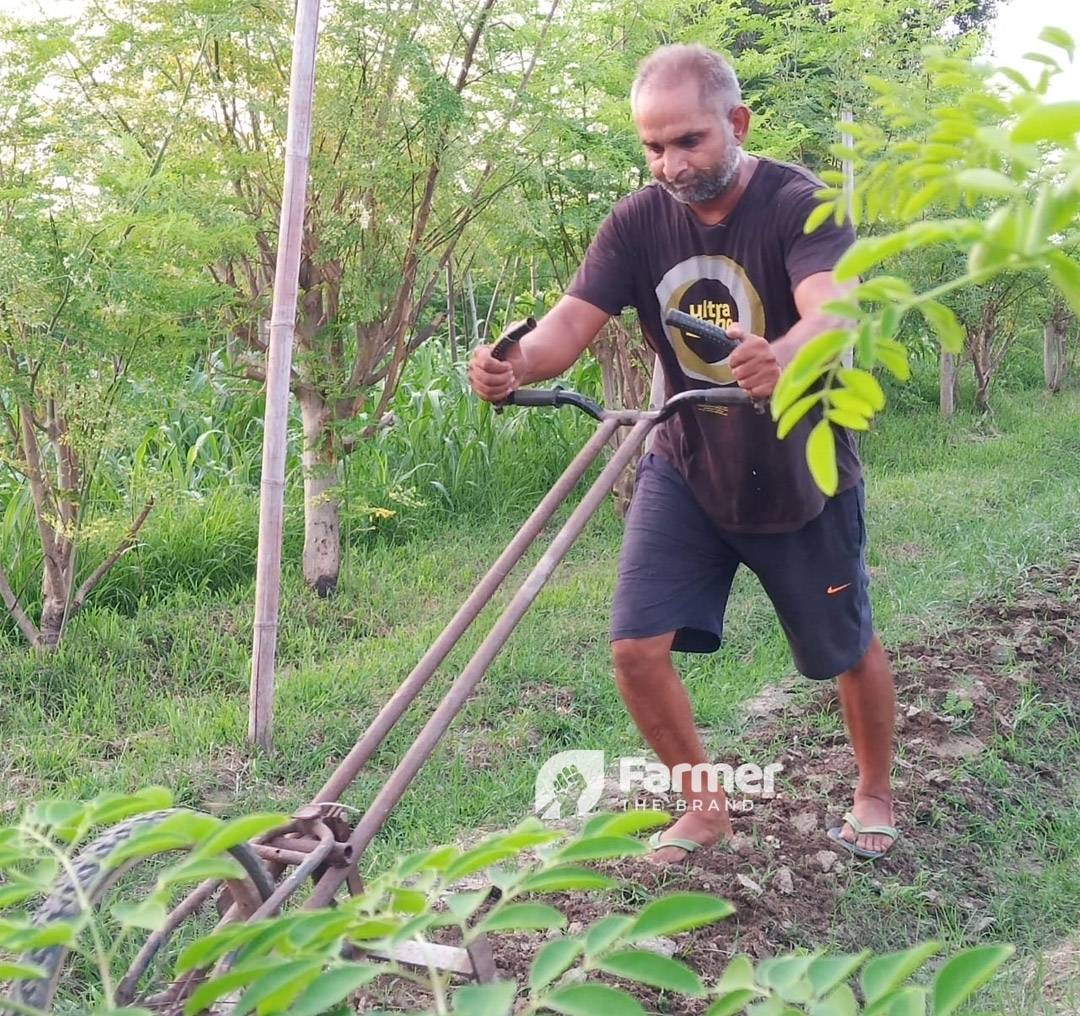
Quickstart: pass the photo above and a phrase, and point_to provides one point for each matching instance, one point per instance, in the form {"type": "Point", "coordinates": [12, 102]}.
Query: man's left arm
{"type": "Point", "coordinates": [756, 364]}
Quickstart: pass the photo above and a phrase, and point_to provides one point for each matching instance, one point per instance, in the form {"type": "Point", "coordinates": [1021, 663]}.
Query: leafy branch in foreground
{"type": "Point", "coordinates": [309, 962]}
{"type": "Point", "coordinates": [998, 165]}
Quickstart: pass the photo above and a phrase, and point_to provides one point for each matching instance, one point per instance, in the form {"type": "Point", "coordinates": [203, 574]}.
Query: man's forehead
{"type": "Point", "coordinates": [668, 111]}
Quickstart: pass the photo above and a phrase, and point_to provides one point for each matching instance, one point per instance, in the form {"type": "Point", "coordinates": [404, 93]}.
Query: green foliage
{"type": "Point", "coordinates": [1006, 197]}
{"type": "Point", "coordinates": [296, 962]}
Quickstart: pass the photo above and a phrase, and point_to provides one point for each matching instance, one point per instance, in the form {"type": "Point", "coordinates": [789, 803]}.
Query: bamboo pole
{"type": "Point", "coordinates": [279, 366]}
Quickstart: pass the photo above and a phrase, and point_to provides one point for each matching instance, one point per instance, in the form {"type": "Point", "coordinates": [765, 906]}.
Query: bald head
{"type": "Point", "coordinates": [672, 66]}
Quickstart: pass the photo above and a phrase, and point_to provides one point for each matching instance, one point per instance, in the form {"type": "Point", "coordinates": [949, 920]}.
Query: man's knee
{"type": "Point", "coordinates": [638, 660]}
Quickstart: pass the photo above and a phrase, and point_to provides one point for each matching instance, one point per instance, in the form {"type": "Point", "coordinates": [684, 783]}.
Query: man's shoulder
{"type": "Point", "coordinates": [789, 178]}
{"type": "Point", "coordinates": [642, 206]}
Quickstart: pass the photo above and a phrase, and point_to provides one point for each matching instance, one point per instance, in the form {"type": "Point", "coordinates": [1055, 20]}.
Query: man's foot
{"type": "Point", "coordinates": [870, 810]}
{"type": "Point", "coordinates": [701, 827]}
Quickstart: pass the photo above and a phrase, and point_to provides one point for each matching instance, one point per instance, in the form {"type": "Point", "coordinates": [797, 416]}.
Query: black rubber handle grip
{"type": "Point", "coordinates": [534, 397]}
{"type": "Point", "coordinates": [514, 334]}
{"type": "Point", "coordinates": [717, 337]}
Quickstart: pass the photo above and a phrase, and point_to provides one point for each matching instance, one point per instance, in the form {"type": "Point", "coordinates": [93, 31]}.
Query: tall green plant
{"type": "Point", "coordinates": [309, 962]}
{"type": "Point", "coordinates": [100, 291]}
{"type": "Point", "coordinates": [999, 166]}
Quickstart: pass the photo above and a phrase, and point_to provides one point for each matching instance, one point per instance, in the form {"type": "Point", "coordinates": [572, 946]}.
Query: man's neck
{"type": "Point", "coordinates": [712, 213]}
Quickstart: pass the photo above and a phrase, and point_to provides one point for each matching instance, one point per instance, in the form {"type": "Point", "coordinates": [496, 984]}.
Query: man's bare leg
{"type": "Point", "coordinates": [868, 702]}
{"type": "Point", "coordinates": [654, 694]}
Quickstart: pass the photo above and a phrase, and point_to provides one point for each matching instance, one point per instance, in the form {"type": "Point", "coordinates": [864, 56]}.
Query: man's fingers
{"type": "Point", "coordinates": [491, 379]}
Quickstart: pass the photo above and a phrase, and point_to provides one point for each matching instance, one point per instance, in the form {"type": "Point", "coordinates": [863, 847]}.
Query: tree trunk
{"type": "Point", "coordinates": [625, 379]}
{"type": "Point", "coordinates": [1054, 339]}
{"type": "Point", "coordinates": [322, 515]}
{"type": "Point", "coordinates": [54, 597]}
{"type": "Point", "coordinates": [947, 389]}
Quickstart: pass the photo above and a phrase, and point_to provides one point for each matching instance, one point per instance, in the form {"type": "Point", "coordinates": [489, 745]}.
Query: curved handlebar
{"type": "Point", "coordinates": [717, 338]}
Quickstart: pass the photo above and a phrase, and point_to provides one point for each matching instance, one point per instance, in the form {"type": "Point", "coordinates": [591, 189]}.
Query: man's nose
{"type": "Point", "coordinates": [674, 163]}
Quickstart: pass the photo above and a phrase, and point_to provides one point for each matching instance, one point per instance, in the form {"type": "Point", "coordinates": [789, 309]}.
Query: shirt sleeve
{"type": "Point", "coordinates": [605, 278]}
{"type": "Point", "coordinates": [806, 254]}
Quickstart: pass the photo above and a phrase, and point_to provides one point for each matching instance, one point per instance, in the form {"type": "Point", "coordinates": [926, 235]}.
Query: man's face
{"type": "Point", "coordinates": [691, 149]}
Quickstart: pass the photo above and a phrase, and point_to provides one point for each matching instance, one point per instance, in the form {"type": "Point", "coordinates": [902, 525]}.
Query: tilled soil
{"type": "Point", "coordinates": [958, 695]}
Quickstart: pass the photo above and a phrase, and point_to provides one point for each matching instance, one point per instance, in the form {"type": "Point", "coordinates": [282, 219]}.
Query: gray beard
{"type": "Point", "coordinates": [707, 186]}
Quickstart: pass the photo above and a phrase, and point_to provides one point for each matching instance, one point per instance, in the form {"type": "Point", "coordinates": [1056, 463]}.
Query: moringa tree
{"type": "Point", "coordinates": [100, 292]}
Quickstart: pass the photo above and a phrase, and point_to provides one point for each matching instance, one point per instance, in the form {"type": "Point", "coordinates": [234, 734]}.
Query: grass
{"type": "Point", "coordinates": [150, 684]}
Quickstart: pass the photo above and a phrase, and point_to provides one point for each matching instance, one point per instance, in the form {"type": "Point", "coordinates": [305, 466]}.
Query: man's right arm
{"type": "Point", "coordinates": [560, 337]}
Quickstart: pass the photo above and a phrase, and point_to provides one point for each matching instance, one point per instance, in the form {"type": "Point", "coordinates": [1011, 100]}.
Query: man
{"type": "Point", "coordinates": [720, 236]}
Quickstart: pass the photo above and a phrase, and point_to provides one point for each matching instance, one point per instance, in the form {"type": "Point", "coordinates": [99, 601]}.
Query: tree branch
{"type": "Point", "coordinates": [102, 569]}
{"type": "Point", "coordinates": [11, 601]}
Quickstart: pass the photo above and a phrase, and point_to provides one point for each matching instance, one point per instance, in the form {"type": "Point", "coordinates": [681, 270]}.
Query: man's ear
{"type": "Point", "coordinates": [740, 122]}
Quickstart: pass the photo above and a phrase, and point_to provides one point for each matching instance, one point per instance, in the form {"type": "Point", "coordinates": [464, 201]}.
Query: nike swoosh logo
{"type": "Point", "coordinates": [833, 590]}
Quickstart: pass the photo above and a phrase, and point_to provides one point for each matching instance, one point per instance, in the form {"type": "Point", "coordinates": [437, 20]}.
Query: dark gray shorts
{"type": "Point", "coordinates": [676, 569]}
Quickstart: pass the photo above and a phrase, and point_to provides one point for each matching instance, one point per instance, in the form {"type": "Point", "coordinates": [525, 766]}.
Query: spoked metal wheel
{"type": "Point", "coordinates": [140, 970]}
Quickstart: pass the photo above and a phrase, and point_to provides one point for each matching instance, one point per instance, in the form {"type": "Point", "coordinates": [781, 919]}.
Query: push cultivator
{"type": "Point", "coordinates": [320, 845]}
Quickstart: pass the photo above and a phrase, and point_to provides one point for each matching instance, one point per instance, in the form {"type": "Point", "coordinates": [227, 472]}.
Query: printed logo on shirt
{"type": "Point", "coordinates": [716, 289]}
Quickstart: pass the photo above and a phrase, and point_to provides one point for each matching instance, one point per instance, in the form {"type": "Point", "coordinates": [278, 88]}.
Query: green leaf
{"type": "Point", "coordinates": [827, 972]}
{"type": "Point", "coordinates": [839, 1002]}
{"type": "Point", "coordinates": [564, 878]}
{"type": "Point", "coordinates": [625, 823]}
{"type": "Point", "coordinates": [868, 252]}
{"type": "Point", "coordinates": [821, 457]}
{"type": "Point", "coordinates": [678, 912]}
{"type": "Point", "coordinates": [494, 999]}
{"type": "Point", "coordinates": [599, 848]}
{"type": "Point", "coordinates": [654, 970]}
{"type": "Point", "coordinates": [886, 972]}
{"type": "Point", "coordinates": [894, 358]}
{"type": "Point", "coordinates": [986, 181]}
{"type": "Point", "coordinates": [151, 914]}
{"type": "Point", "coordinates": [1060, 38]}
{"type": "Point", "coordinates": [818, 215]}
{"type": "Point", "coordinates": [21, 972]}
{"type": "Point", "coordinates": [943, 321]}
{"type": "Point", "coordinates": [146, 844]}
{"type": "Point", "coordinates": [464, 905]}
{"type": "Point", "coordinates": [333, 987]}
{"type": "Point", "coordinates": [965, 973]}
{"type": "Point", "coordinates": [863, 384]}
{"type": "Point", "coordinates": [850, 402]}
{"type": "Point", "coordinates": [605, 932]}
{"type": "Point", "coordinates": [739, 973]}
{"type": "Point", "coordinates": [237, 831]}
{"type": "Point", "coordinates": [593, 1000]}
{"type": "Point", "coordinates": [883, 287]}
{"type": "Point", "coordinates": [108, 809]}
{"type": "Point", "coordinates": [910, 1001]}
{"type": "Point", "coordinates": [1065, 274]}
{"type": "Point", "coordinates": [1055, 121]}
{"type": "Point", "coordinates": [238, 977]}
{"type": "Point", "coordinates": [553, 960]}
{"type": "Point", "coordinates": [476, 860]}
{"type": "Point", "coordinates": [407, 901]}
{"type": "Point", "coordinates": [438, 859]}
{"type": "Point", "coordinates": [194, 869]}
{"type": "Point", "coordinates": [794, 413]}
{"type": "Point", "coordinates": [731, 1002]}
{"type": "Point", "coordinates": [204, 951]}
{"type": "Point", "coordinates": [276, 989]}
{"type": "Point", "coordinates": [807, 366]}
{"type": "Point", "coordinates": [522, 916]}
{"type": "Point", "coordinates": [781, 972]}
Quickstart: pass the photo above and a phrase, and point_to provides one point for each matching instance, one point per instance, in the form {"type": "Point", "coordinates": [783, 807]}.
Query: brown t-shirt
{"type": "Point", "coordinates": [654, 254]}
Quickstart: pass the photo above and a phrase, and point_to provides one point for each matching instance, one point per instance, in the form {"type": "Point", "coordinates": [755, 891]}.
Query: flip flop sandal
{"type": "Point", "coordinates": [658, 844]}
{"type": "Point", "coordinates": [852, 847]}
